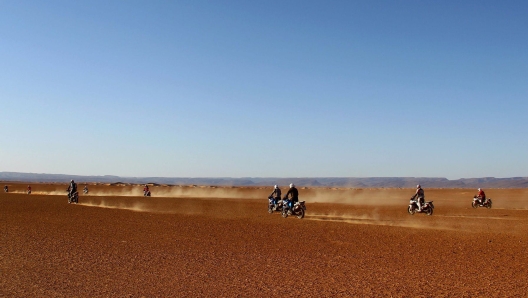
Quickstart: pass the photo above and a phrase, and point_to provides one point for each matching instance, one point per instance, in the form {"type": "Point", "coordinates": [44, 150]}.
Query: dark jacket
{"type": "Point", "coordinates": [419, 194]}
{"type": "Point", "coordinates": [73, 187]}
{"type": "Point", "coordinates": [276, 193]}
{"type": "Point", "coordinates": [293, 194]}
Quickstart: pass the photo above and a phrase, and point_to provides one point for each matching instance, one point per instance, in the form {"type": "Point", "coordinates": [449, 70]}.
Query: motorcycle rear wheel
{"type": "Point", "coordinates": [489, 204]}
{"type": "Point", "coordinates": [284, 213]}
{"type": "Point", "coordinates": [429, 211]}
{"type": "Point", "coordinates": [300, 213]}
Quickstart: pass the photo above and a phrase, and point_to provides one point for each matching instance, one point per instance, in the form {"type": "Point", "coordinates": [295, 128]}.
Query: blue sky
{"type": "Point", "coordinates": [265, 88]}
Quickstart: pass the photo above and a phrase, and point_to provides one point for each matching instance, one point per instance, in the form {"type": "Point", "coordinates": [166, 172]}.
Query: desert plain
{"type": "Point", "coordinates": [198, 241]}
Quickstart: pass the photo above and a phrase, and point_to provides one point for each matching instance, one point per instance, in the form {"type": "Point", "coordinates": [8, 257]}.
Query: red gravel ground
{"type": "Point", "coordinates": [359, 243]}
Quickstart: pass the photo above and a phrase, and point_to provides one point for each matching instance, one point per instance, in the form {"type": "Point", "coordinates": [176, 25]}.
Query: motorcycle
{"type": "Point", "coordinates": [146, 193]}
{"type": "Point", "coordinates": [478, 203]}
{"type": "Point", "coordinates": [6, 189]}
{"type": "Point", "coordinates": [73, 198]}
{"type": "Point", "coordinates": [29, 191]}
{"type": "Point", "coordinates": [85, 191]}
{"type": "Point", "coordinates": [272, 206]}
{"type": "Point", "coordinates": [427, 207]}
{"type": "Point", "coordinates": [297, 210]}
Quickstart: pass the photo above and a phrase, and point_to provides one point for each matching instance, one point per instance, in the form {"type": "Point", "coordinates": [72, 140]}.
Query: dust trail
{"type": "Point", "coordinates": [512, 208]}
{"type": "Point", "coordinates": [55, 192]}
{"type": "Point", "coordinates": [144, 207]}
{"type": "Point", "coordinates": [375, 220]}
{"type": "Point", "coordinates": [51, 193]}
{"type": "Point", "coordinates": [137, 206]}
{"type": "Point", "coordinates": [21, 192]}
{"type": "Point", "coordinates": [115, 193]}
{"type": "Point", "coordinates": [479, 217]}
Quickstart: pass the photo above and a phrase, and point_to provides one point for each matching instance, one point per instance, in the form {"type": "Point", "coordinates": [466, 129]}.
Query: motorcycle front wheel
{"type": "Point", "coordinates": [284, 213]}
{"type": "Point", "coordinates": [411, 210]}
{"type": "Point", "coordinates": [474, 204]}
{"type": "Point", "coordinates": [270, 209]}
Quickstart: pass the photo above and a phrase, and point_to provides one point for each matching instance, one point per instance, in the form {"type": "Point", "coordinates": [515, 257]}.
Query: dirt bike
{"type": "Point", "coordinates": [73, 198]}
{"type": "Point", "coordinates": [427, 207]}
{"type": "Point", "coordinates": [297, 210]}
{"type": "Point", "coordinates": [29, 191]}
{"type": "Point", "coordinates": [477, 202]}
{"type": "Point", "coordinates": [6, 189]}
{"type": "Point", "coordinates": [85, 191]}
{"type": "Point", "coordinates": [146, 193]}
{"type": "Point", "coordinates": [274, 207]}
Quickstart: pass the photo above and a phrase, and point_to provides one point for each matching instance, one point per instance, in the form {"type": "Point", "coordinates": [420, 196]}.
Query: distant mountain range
{"type": "Point", "coordinates": [372, 182]}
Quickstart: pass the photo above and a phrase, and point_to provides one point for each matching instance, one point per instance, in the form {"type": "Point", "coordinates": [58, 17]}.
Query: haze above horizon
{"type": "Point", "coordinates": [264, 88]}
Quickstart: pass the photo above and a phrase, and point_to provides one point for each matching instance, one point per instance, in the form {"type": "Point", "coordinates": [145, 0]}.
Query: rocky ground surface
{"type": "Point", "coordinates": [110, 245]}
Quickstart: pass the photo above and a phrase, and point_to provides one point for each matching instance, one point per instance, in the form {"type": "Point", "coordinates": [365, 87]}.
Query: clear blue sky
{"type": "Point", "coordinates": [264, 88]}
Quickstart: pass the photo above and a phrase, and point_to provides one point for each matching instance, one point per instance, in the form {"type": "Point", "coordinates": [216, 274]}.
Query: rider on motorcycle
{"type": "Point", "coordinates": [72, 188]}
{"type": "Point", "coordinates": [293, 194]}
{"type": "Point", "coordinates": [276, 194]}
{"type": "Point", "coordinates": [481, 196]}
{"type": "Point", "coordinates": [85, 189]}
{"type": "Point", "coordinates": [419, 196]}
{"type": "Point", "coordinates": [29, 189]}
{"type": "Point", "coordinates": [145, 189]}
{"type": "Point", "coordinates": [6, 189]}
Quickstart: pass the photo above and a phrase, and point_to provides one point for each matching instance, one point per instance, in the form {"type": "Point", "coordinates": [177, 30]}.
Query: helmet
{"type": "Point", "coordinates": [71, 180]}
{"type": "Point", "coordinates": [418, 186]}
{"type": "Point", "coordinates": [275, 186]}
{"type": "Point", "coordinates": [292, 185]}
{"type": "Point", "coordinates": [478, 189]}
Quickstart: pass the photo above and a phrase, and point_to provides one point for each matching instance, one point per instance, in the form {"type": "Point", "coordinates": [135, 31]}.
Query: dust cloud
{"type": "Point", "coordinates": [180, 192]}
{"type": "Point", "coordinates": [368, 197]}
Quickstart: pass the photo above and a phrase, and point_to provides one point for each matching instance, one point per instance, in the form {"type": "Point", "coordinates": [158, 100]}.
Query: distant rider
{"type": "Point", "coordinates": [481, 196]}
{"type": "Point", "coordinates": [72, 188]}
{"type": "Point", "coordinates": [6, 189]}
{"type": "Point", "coordinates": [276, 194]}
{"type": "Point", "coordinates": [145, 190]}
{"type": "Point", "coordinates": [419, 196]}
{"type": "Point", "coordinates": [293, 195]}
